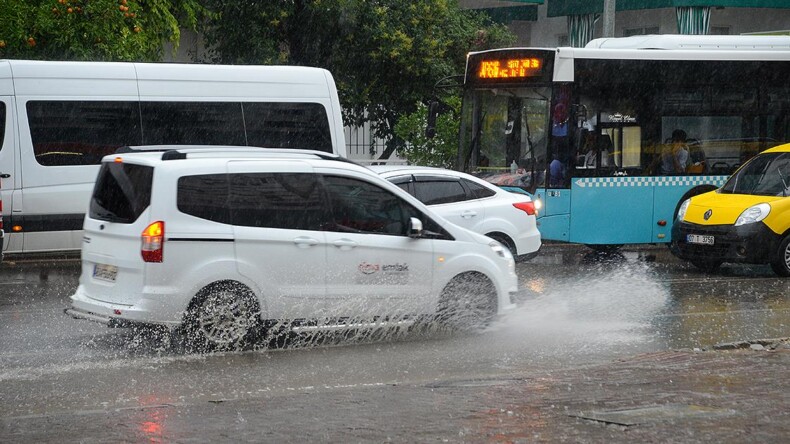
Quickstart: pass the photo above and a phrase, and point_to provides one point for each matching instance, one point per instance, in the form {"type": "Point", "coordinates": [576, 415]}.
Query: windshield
{"type": "Point", "coordinates": [503, 127]}
{"type": "Point", "coordinates": [765, 175]}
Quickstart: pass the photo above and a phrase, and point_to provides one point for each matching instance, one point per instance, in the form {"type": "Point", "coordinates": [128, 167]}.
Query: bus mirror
{"type": "Point", "coordinates": [433, 113]}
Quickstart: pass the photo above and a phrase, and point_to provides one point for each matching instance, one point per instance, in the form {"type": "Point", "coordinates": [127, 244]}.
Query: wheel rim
{"type": "Point", "coordinates": [469, 303]}
{"type": "Point", "coordinates": [225, 318]}
{"type": "Point", "coordinates": [787, 257]}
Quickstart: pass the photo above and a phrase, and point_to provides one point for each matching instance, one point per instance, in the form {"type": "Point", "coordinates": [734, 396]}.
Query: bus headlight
{"type": "Point", "coordinates": [753, 214]}
{"type": "Point", "coordinates": [682, 210]}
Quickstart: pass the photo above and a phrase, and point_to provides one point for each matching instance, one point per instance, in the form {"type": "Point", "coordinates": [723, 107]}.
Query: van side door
{"type": "Point", "coordinates": [9, 177]}
{"type": "Point", "coordinates": [277, 212]}
{"type": "Point", "coordinates": [374, 267]}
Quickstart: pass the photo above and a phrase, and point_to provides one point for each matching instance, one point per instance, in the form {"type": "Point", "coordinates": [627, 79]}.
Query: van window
{"type": "Point", "coordinates": [204, 196]}
{"type": "Point", "coordinates": [122, 192]}
{"type": "Point", "coordinates": [81, 133]}
{"type": "Point", "coordinates": [192, 123]}
{"type": "Point", "coordinates": [2, 124]}
{"type": "Point", "coordinates": [288, 125]}
{"type": "Point", "coordinates": [277, 200]}
{"type": "Point", "coordinates": [359, 206]}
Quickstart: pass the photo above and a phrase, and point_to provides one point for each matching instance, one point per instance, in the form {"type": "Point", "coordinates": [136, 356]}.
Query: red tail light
{"type": "Point", "coordinates": [527, 207]}
{"type": "Point", "coordinates": [153, 242]}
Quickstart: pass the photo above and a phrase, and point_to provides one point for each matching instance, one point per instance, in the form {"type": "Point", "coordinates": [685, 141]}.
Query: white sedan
{"type": "Point", "coordinates": [472, 203]}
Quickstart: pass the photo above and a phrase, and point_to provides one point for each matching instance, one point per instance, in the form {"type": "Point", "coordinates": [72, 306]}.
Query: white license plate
{"type": "Point", "coordinates": [105, 272]}
{"type": "Point", "coordinates": [699, 239]}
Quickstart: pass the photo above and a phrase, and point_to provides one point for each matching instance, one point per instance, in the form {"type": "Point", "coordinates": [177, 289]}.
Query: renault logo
{"type": "Point", "coordinates": [708, 214]}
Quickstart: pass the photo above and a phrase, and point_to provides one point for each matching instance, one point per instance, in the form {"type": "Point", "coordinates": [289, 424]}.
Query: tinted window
{"type": "Point", "coordinates": [81, 133]}
{"type": "Point", "coordinates": [282, 200]}
{"type": "Point", "coordinates": [122, 192]}
{"type": "Point", "coordinates": [432, 192]}
{"type": "Point", "coordinates": [288, 125]}
{"type": "Point", "coordinates": [204, 196]}
{"type": "Point", "coordinates": [2, 124]}
{"type": "Point", "coordinates": [478, 191]}
{"type": "Point", "coordinates": [196, 123]}
{"type": "Point", "coordinates": [359, 206]}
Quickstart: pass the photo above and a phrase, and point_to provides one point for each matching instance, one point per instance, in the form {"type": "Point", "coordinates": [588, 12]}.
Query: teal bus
{"type": "Point", "coordinates": [610, 139]}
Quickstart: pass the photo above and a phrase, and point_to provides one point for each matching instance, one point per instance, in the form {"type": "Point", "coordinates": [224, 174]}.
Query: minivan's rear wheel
{"type": "Point", "coordinates": [781, 260]}
{"type": "Point", "coordinates": [468, 302]}
{"type": "Point", "coordinates": [225, 316]}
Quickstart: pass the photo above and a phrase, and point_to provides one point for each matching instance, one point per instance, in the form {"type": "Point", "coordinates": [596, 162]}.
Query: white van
{"type": "Point", "coordinates": [225, 241]}
{"type": "Point", "coordinates": [58, 119]}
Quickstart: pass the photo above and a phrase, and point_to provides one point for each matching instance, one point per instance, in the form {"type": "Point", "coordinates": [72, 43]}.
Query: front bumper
{"type": "Point", "coordinates": [751, 244]}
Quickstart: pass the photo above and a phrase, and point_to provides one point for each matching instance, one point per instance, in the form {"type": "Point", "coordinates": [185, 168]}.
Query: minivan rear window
{"type": "Point", "coordinates": [122, 192]}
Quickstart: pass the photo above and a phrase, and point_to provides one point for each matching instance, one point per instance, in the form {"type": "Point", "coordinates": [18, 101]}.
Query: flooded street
{"type": "Point", "coordinates": [581, 309]}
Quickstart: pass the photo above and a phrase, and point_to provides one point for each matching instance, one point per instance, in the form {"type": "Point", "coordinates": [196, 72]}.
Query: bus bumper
{"type": "Point", "coordinates": [750, 244]}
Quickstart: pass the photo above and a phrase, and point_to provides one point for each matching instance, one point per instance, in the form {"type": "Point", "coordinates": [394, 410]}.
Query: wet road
{"type": "Point", "coordinates": [582, 309]}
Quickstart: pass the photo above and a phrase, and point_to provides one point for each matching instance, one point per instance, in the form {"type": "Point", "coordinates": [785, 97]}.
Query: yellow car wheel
{"type": "Point", "coordinates": [781, 262]}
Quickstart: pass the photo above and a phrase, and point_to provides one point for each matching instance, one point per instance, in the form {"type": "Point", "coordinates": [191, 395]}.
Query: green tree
{"type": "Point", "coordinates": [386, 55]}
{"type": "Point", "coordinates": [439, 151]}
{"type": "Point", "coordinates": [121, 30]}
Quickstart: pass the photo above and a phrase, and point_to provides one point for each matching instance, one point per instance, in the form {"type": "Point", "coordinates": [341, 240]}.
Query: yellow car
{"type": "Point", "coordinates": [747, 220]}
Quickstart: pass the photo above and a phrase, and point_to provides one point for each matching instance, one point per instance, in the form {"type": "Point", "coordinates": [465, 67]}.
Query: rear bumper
{"type": "Point", "coordinates": [143, 312]}
{"type": "Point", "coordinates": [751, 244]}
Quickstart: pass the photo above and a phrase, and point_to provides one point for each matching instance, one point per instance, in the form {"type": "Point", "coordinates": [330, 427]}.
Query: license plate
{"type": "Point", "coordinates": [105, 272]}
{"type": "Point", "coordinates": [699, 239]}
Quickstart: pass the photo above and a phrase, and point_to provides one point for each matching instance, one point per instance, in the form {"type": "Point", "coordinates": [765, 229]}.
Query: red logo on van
{"type": "Point", "coordinates": [367, 268]}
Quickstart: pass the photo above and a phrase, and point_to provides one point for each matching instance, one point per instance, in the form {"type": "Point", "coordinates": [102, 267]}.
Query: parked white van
{"type": "Point", "coordinates": [225, 242]}
{"type": "Point", "coordinates": [58, 119]}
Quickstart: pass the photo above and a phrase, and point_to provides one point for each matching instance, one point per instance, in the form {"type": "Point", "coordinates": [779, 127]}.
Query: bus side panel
{"type": "Point", "coordinates": [554, 218]}
{"type": "Point", "coordinates": [611, 210]}
{"type": "Point", "coordinates": [669, 191]}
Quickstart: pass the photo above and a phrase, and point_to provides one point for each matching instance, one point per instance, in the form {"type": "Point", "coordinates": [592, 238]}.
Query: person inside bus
{"type": "Point", "coordinates": [597, 148]}
{"type": "Point", "coordinates": [675, 159]}
{"type": "Point", "coordinates": [556, 171]}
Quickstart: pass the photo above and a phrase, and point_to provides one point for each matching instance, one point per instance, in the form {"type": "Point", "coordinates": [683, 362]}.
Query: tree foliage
{"type": "Point", "coordinates": [110, 30]}
{"type": "Point", "coordinates": [386, 55]}
{"type": "Point", "coordinates": [441, 150]}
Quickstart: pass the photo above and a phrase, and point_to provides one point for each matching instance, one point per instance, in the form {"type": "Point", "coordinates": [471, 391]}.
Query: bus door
{"type": "Point", "coordinates": [9, 177]}
{"type": "Point", "coordinates": [612, 203]}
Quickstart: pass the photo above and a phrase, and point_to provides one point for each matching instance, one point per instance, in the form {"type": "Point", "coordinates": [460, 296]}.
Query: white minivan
{"type": "Point", "coordinates": [226, 242]}
{"type": "Point", "coordinates": [58, 119]}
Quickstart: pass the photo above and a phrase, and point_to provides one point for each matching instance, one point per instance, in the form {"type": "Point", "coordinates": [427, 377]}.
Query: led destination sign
{"type": "Point", "coordinates": [510, 68]}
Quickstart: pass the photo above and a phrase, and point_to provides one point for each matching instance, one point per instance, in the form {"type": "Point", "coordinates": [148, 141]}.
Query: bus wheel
{"type": "Point", "coordinates": [706, 265]}
{"type": "Point", "coordinates": [605, 248]}
{"type": "Point", "coordinates": [781, 261]}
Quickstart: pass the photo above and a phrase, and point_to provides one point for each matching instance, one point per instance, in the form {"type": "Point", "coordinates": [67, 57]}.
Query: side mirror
{"type": "Point", "coordinates": [433, 113]}
{"type": "Point", "coordinates": [415, 228]}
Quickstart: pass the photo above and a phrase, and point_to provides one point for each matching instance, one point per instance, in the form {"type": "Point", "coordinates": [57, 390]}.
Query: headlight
{"type": "Point", "coordinates": [500, 250]}
{"type": "Point", "coordinates": [753, 214]}
{"type": "Point", "coordinates": [682, 210]}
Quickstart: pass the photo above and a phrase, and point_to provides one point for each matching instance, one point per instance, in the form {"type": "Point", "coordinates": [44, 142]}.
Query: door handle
{"type": "Point", "coordinates": [344, 244]}
{"type": "Point", "coordinates": [468, 214]}
{"type": "Point", "coordinates": [4, 175]}
{"type": "Point", "coordinates": [305, 242]}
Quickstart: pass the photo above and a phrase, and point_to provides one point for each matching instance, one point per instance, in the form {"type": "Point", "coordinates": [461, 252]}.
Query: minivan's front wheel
{"type": "Point", "coordinates": [781, 260]}
{"type": "Point", "coordinates": [468, 302]}
{"type": "Point", "coordinates": [225, 316]}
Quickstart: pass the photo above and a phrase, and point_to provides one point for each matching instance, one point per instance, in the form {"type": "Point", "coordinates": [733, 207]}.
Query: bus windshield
{"type": "Point", "coordinates": [506, 129]}
{"type": "Point", "coordinates": [765, 175]}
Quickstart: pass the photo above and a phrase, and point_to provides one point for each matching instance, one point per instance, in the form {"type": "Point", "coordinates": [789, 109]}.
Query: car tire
{"type": "Point", "coordinates": [468, 303]}
{"type": "Point", "coordinates": [225, 316]}
{"type": "Point", "coordinates": [781, 260]}
{"type": "Point", "coordinates": [504, 240]}
{"type": "Point", "coordinates": [706, 265]}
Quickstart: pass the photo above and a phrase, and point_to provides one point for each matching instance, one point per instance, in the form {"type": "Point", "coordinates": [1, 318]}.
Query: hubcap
{"type": "Point", "coordinates": [225, 318]}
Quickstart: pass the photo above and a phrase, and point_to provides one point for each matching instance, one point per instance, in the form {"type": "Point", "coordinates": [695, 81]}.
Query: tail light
{"type": "Point", "coordinates": [153, 242]}
{"type": "Point", "coordinates": [527, 207]}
